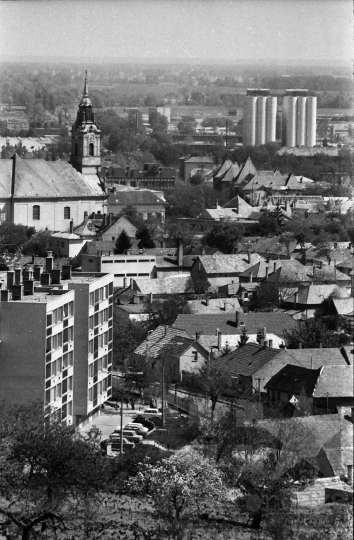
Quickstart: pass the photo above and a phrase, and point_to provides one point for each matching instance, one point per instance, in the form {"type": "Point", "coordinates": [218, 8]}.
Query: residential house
{"type": "Point", "coordinates": [213, 305]}
{"type": "Point", "coordinates": [123, 267]}
{"type": "Point", "coordinates": [328, 387]}
{"type": "Point", "coordinates": [219, 270]}
{"type": "Point", "coordinates": [147, 203]}
{"type": "Point", "coordinates": [187, 164]}
{"type": "Point", "coordinates": [162, 287]}
{"type": "Point", "coordinates": [150, 177]}
{"type": "Point", "coordinates": [226, 328]}
{"type": "Point", "coordinates": [114, 227]}
{"type": "Point", "coordinates": [135, 312]}
{"type": "Point", "coordinates": [309, 298]}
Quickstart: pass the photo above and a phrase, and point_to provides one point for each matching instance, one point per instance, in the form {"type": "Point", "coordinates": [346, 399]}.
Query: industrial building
{"type": "Point", "coordinates": [299, 119]}
{"type": "Point", "coordinates": [259, 117]}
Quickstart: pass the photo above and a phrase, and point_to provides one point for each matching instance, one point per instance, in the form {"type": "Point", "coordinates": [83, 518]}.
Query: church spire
{"type": "Point", "coordinates": [85, 100]}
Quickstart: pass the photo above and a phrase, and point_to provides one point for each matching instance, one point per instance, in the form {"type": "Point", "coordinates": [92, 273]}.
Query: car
{"type": "Point", "coordinates": [141, 430]}
{"type": "Point", "coordinates": [129, 434]}
{"type": "Point", "coordinates": [148, 413]}
{"type": "Point", "coordinates": [115, 442]}
{"type": "Point", "coordinates": [144, 421]}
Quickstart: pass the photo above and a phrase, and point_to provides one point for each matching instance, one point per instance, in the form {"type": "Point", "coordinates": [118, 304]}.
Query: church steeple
{"type": "Point", "coordinates": [86, 137]}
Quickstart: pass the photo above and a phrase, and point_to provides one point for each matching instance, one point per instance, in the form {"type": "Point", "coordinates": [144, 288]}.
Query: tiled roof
{"type": "Point", "coordinates": [295, 380]}
{"type": "Point", "coordinates": [272, 245]}
{"type": "Point", "coordinates": [178, 345]}
{"type": "Point", "coordinates": [247, 360]}
{"type": "Point", "coordinates": [246, 169]}
{"type": "Point", "coordinates": [159, 338]}
{"type": "Point", "coordinates": [223, 169]}
{"type": "Point", "coordinates": [336, 381]}
{"type": "Point", "coordinates": [231, 173]}
{"type": "Point", "coordinates": [290, 271]}
{"type": "Point", "coordinates": [215, 305]}
{"type": "Point", "coordinates": [199, 159]}
{"type": "Point", "coordinates": [169, 285]}
{"type": "Point", "coordinates": [313, 294]}
{"type": "Point", "coordinates": [344, 306]}
{"type": "Point", "coordinates": [136, 197]}
{"type": "Point", "coordinates": [316, 358]}
{"type": "Point", "coordinates": [347, 263]}
{"type": "Point", "coordinates": [275, 323]}
{"type": "Point", "coordinates": [214, 264]}
{"type": "Point", "coordinates": [327, 273]}
{"type": "Point", "coordinates": [40, 178]}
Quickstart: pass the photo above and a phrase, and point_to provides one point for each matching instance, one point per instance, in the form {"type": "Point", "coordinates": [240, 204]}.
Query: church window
{"type": "Point", "coordinates": [36, 212]}
{"type": "Point", "coordinates": [91, 149]}
{"type": "Point", "coordinates": [66, 212]}
{"type": "Point", "coordinates": [76, 149]}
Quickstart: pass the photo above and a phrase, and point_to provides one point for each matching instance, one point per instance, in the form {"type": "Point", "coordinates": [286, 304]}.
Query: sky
{"type": "Point", "coordinates": [227, 30]}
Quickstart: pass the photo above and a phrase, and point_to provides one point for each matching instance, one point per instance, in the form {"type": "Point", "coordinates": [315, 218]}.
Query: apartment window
{"type": "Point", "coordinates": [57, 315]}
{"type": "Point", "coordinates": [104, 362]}
{"type": "Point", "coordinates": [90, 346]}
{"type": "Point", "coordinates": [90, 394]}
{"type": "Point", "coordinates": [70, 408]}
{"type": "Point", "coordinates": [91, 322]}
{"type": "Point", "coordinates": [71, 309]}
{"type": "Point", "coordinates": [68, 359]}
{"type": "Point", "coordinates": [92, 299]}
{"type": "Point", "coordinates": [100, 364]}
{"type": "Point", "coordinates": [66, 212]}
{"type": "Point", "coordinates": [90, 371]}
{"type": "Point", "coordinates": [36, 212]}
{"type": "Point", "coordinates": [57, 341]}
{"type": "Point", "coordinates": [70, 384]}
{"type": "Point", "coordinates": [104, 385]}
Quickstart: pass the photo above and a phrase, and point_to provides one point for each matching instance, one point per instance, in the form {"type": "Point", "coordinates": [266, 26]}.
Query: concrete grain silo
{"type": "Point", "coordinates": [271, 118]}
{"type": "Point", "coordinates": [311, 109]}
{"type": "Point", "coordinates": [249, 121]}
{"type": "Point", "coordinates": [300, 120]}
{"type": "Point", "coordinates": [289, 108]}
{"type": "Point", "coordinates": [261, 120]}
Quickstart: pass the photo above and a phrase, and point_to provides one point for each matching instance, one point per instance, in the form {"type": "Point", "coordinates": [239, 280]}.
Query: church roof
{"type": "Point", "coordinates": [37, 178]}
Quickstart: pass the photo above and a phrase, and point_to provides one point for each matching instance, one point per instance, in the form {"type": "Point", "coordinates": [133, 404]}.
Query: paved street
{"type": "Point", "coordinates": [109, 420]}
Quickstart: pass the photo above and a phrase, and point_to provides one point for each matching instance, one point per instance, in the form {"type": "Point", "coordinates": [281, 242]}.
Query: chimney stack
{"type": "Point", "coordinates": [250, 277]}
{"type": "Point", "coordinates": [248, 257]}
{"type": "Point", "coordinates": [197, 336]}
{"type": "Point", "coordinates": [203, 250]}
{"type": "Point", "coordinates": [17, 275]}
{"type": "Point", "coordinates": [207, 300]}
{"type": "Point", "coordinates": [11, 279]}
{"type": "Point", "coordinates": [320, 343]}
{"type": "Point", "coordinates": [38, 269]}
{"type": "Point", "coordinates": [180, 254]}
{"type": "Point", "coordinates": [55, 275]}
{"type": "Point", "coordinates": [237, 319]}
{"type": "Point", "coordinates": [28, 287]}
{"type": "Point", "coordinates": [66, 271]}
{"type": "Point", "coordinates": [45, 278]}
{"type": "Point", "coordinates": [17, 291]}
{"type": "Point", "coordinates": [271, 344]}
{"type": "Point", "coordinates": [267, 272]}
{"type": "Point", "coordinates": [4, 295]}
{"type": "Point", "coordinates": [71, 226]}
{"type": "Point", "coordinates": [225, 306]}
{"type": "Point", "coordinates": [33, 258]}
{"type": "Point", "coordinates": [131, 283]}
{"type": "Point", "coordinates": [219, 340]}
{"type": "Point", "coordinates": [49, 262]}
{"type": "Point", "coordinates": [299, 344]}
{"type": "Point", "coordinates": [125, 283]}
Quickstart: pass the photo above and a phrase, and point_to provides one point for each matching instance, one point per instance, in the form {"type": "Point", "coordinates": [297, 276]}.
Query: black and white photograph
{"type": "Point", "coordinates": [176, 269]}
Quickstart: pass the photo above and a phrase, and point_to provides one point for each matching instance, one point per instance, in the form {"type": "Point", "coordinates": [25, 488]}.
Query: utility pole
{"type": "Point", "coordinates": [163, 389]}
{"type": "Point", "coordinates": [121, 423]}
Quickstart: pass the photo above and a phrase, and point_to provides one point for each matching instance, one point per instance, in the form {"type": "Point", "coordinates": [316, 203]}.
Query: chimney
{"type": "Point", "coordinates": [299, 344]}
{"type": "Point", "coordinates": [28, 287]}
{"type": "Point", "coordinates": [217, 331]}
{"type": "Point", "coordinates": [55, 275]}
{"type": "Point", "coordinates": [110, 218]}
{"type": "Point", "coordinates": [270, 344]}
{"type": "Point", "coordinates": [4, 295]}
{"type": "Point", "coordinates": [225, 306]}
{"type": "Point", "coordinates": [296, 299]}
{"type": "Point", "coordinates": [45, 278]}
{"type": "Point", "coordinates": [219, 340]}
{"type": "Point", "coordinates": [261, 341]}
{"type": "Point", "coordinates": [274, 266]}
{"type": "Point", "coordinates": [197, 336]}
{"type": "Point", "coordinates": [151, 297]}
{"type": "Point", "coordinates": [237, 319]}
{"type": "Point", "coordinates": [180, 254]}
{"type": "Point", "coordinates": [350, 474]}
{"type": "Point", "coordinates": [320, 343]}
{"type": "Point", "coordinates": [17, 291]}
{"type": "Point", "coordinates": [11, 279]}
{"type": "Point", "coordinates": [104, 220]}
{"type": "Point", "coordinates": [203, 250]}
{"type": "Point", "coordinates": [125, 283]}
{"type": "Point", "coordinates": [33, 258]}
{"type": "Point", "coordinates": [25, 274]}
{"type": "Point", "coordinates": [49, 262]}
{"type": "Point", "coordinates": [207, 300]}
{"type": "Point", "coordinates": [267, 272]}
{"type": "Point", "coordinates": [17, 275]}
{"type": "Point", "coordinates": [248, 257]}
{"type": "Point", "coordinates": [85, 217]}
{"type": "Point", "coordinates": [131, 283]}
{"type": "Point", "coordinates": [265, 333]}
{"type": "Point", "coordinates": [250, 277]}
{"type": "Point", "coordinates": [71, 226]}
{"type": "Point", "coordinates": [38, 269]}
{"type": "Point", "coordinates": [163, 244]}
{"type": "Point", "coordinates": [66, 271]}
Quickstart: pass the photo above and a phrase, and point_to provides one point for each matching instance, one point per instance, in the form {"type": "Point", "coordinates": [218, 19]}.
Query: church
{"type": "Point", "coordinates": [49, 194]}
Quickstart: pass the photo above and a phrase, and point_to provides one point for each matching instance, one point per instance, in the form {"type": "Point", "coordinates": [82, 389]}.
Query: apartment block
{"type": "Point", "coordinates": [123, 267]}
{"type": "Point", "coordinates": [56, 332]}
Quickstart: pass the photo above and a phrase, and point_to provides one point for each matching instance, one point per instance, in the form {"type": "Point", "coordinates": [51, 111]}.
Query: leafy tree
{"type": "Point", "coordinates": [213, 379]}
{"type": "Point", "coordinates": [165, 311]}
{"type": "Point", "coordinates": [48, 470]}
{"type": "Point", "coordinates": [287, 238]}
{"type": "Point", "coordinates": [122, 243]}
{"type": "Point", "coordinates": [13, 237]}
{"type": "Point", "coordinates": [266, 297]}
{"type": "Point", "coordinates": [126, 338]}
{"type": "Point", "coordinates": [225, 236]}
{"type": "Point", "coordinates": [311, 332]}
{"type": "Point", "coordinates": [143, 234]}
{"type": "Point", "coordinates": [39, 244]}
{"type": "Point", "coordinates": [244, 337]}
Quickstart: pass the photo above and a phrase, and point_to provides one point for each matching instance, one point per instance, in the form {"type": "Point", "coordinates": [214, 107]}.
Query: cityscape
{"type": "Point", "coordinates": [176, 270]}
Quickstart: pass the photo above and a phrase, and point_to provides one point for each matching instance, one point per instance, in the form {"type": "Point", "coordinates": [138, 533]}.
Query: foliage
{"type": "Point", "coordinates": [13, 237]}
{"type": "Point", "coordinates": [178, 482]}
{"type": "Point", "coordinates": [39, 244]}
{"type": "Point", "coordinates": [165, 311]}
{"type": "Point", "coordinates": [311, 332]}
{"type": "Point", "coordinates": [244, 337]}
{"type": "Point", "coordinates": [287, 238]}
{"type": "Point", "coordinates": [126, 337]}
{"type": "Point", "coordinates": [122, 243]}
{"type": "Point", "coordinates": [40, 480]}
{"type": "Point", "coordinates": [213, 379]}
{"type": "Point", "coordinates": [225, 236]}
{"type": "Point", "coordinates": [143, 234]}
{"type": "Point", "coordinates": [266, 297]}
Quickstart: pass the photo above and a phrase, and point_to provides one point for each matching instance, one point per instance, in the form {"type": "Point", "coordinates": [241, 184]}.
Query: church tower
{"type": "Point", "coordinates": [86, 138]}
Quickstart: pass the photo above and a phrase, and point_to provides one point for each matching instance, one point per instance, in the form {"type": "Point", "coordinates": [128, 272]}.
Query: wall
{"type": "Point", "coordinates": [121, 266]}
{"type": "Point", "coordinates": [63, 247]}
{"type": "Point", "coordinates": [145, 210]}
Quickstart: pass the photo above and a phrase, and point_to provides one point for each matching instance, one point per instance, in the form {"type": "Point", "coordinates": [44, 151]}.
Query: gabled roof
{"type": "Point", "coordinates": [214, 305]}
{"type": "Point", "coordinates": [159, 338]}
{"type": "Point", "coordinates": [247, 360]}
{"type": "Point", "coordinates": [275, 323]}
{"type": "Point", "coordinates": [214, 264]}
{"type": "Point", "coordinates": [272, 245]}
{"type": "Point", "coordinates": [290, 271]}
{"type": "Point", "coordinates": [178, 345]}
{"type": "Point", "coordinates": [327, 273]}
{"type": "Point", "coordinates": [295, 380]}
{"type": "Point", "coordinates": [336, 381]}
{"type": "Point", "coordinates": [316, 358]}
{"type": "Point", "coordinates": [231, 173]}
{"type": "Point", "coordinates": [38, 178]}
{"type": "Point", "coordinates": [199, 159]}
{"type": "Point", "coordinates": [344, 306]}
{"type": "Point", "coordinates": [89, 227]}
{"type": "Point", "coordinates": [246, 169]}
{"type": "Point", "coordinates": [169, 285]}
{"type": "Point", "coordinates": [313, 294]}
{"type": "Point", "coordinates": [136, 197]}
{"type": "Point", "coordinates": [223, 169]}
{"type": "Point", "coordinates": [119, 223]}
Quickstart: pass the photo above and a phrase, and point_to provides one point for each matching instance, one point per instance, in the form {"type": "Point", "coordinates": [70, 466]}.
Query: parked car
{"type": "Point", "coordinates": [144, 422]}
{"type": "Point", "coordinates": [148, 413]}
{"type": "Point", "coordinates": [129, 434]}
{"type": "Point", "coordinates": [115, 441]}
{"type": "Point", "coordinates": [141, 430]}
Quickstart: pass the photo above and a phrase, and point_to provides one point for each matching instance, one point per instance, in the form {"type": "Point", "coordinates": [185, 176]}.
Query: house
{"type": "Point", "coordinates": [225, 328]}
{"type": "Point", "coordinates": [161, 287]}
{"type": "Point", "coordinates": [271, 248]}
{"type": "Point", "coordinates": [150, 177]}
{"type": "Point", "coordinates": [47, 194]}
{"type": "Point", "coordinates": [135, 312]}
{"type": "Point", "coordinates": [114, 227]}
{"type": "Point", "coordinates": [67, 244]}
{"type": "Point", "coordinates": [221, 270]}
{"type": "Point", "coordinates": [213, 305]}
{"type": "Point", "coordinates": [309, 298]}
{"type": "Point", "coordinates": [328, 387]}
{"type": "Point", "coordinates": [123, 267]}
{"type": "Point", "coordinates": [147, 203]}
{"type": "Point", "coordinates": [187, 164]}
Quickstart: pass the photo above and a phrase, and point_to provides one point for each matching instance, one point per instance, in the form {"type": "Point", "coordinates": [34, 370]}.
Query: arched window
{"type": "Point", "coordinates": [36, 214]}
{"type": "Point", "coordinates": [66, 212]}
{"type": "Point", "coordinates": [91, 149]}
{"type": "Point", "coordinates": [76, 149]}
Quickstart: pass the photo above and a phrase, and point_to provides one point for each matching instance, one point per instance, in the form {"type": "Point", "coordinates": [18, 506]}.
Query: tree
{"type": "Point", "coordinates": [126, 338]}
{"type": "Point", "coordinates": [311, 333]}
{"type": "Point", "coordinates": [266, 297]}
{"type": "Point", "coordinates": [13, 237]}
{"type": "Point", "coordinates": [213, 379]}
{"type": "Point", "coordinates": [225, 236]}
{"type": "Point", "coordinates": [122, 243]}
{"type": "Point", "coordinates": [165, 311]}
{"type": "Point", "coordinates": [48, 469]}
{"type": "Point", "coordinates": [39, 244]}
{"type": "Point", "coordinates": [176, 484]}
{"type": "Point", "coordinates": [143, 234]}
{"type": "Point", "coordinates": [287, 238]}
